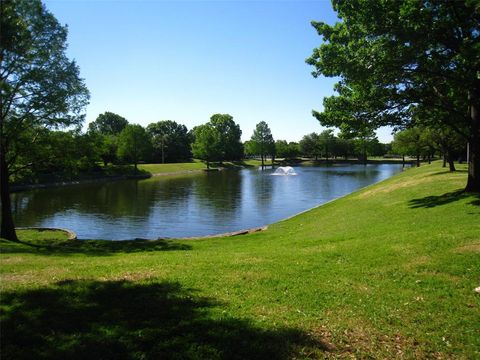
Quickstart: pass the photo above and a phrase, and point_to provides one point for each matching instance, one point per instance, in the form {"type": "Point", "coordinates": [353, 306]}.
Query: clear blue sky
{"type": "Point", "coordinates": [152, 60]}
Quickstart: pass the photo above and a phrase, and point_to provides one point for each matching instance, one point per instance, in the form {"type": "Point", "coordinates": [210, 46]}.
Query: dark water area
{"type": "Point", "coordinates": [190, 205]}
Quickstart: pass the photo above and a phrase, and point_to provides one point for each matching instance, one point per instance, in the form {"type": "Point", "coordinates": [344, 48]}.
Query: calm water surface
{"type": "Point", "coordinates": [190, 205]}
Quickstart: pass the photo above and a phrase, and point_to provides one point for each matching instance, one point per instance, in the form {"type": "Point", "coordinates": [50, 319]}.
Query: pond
{"type": "Point", "coordinates": [195, 204]}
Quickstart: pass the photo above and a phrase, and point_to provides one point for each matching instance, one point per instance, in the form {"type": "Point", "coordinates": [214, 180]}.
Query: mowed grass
{"type": "Point", "coordinates": [386, 272]}
{"type": "Point", "coordinates": [193, 166]}
{"type": "Point", "coordinates": [173, 167]}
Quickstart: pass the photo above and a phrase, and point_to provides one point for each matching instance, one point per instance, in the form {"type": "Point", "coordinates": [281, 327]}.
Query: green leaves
{"type": "Point", "coordinates": [134, 144]}
{"type": "Point", "coordinates": [207, 144]}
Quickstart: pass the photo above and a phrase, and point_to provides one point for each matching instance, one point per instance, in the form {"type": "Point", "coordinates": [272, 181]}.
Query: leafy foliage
{"type": "Point", "coordinates": [262, 141]}
{"type": "Point", "coordinates": [286, 150]}
{"type": "Point", "coordinates": [40, 87]}
{"type": "Point", "coordinates": [392, 76]}
{"type": "Point", "coordinates": [108, 123]}
{"type": "Point", "coordinates": [231, 146]}
{"type": "Point", "coordinates": [171, 141]}
{"type": "Point", "coordinates": [134, 144]}
{"type": "Point", "coordinates": [207, 145]}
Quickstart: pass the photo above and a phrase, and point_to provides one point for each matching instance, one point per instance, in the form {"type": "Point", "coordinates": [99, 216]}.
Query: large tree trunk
{"type": "Point", "coordinates": [451, 165]}
{"type": "Point", "coordinates": [7, 227]}
{"type": "Point", "coordinates": [473, 181]}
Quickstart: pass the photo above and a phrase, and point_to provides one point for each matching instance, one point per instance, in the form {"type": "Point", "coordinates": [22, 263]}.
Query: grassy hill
{"type": "Point", "coordinates": [386, 272]}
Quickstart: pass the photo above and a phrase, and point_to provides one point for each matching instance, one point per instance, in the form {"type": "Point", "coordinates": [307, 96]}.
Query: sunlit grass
{"type": "Point", "coordinates": [386, 272]}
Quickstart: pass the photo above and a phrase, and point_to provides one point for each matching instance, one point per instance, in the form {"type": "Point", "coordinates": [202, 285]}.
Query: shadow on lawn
{"type": "Point", "coordinates": [447, 198]}
{"type": "Point", "coordinates": [91, 247]}
{"type": "Point", "coordinates": [125, 320]}
{"type": "Point", "coordinates": [445, 172]}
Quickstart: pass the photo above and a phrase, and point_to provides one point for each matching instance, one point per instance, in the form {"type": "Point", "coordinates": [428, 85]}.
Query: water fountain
{"type": "Point", "coordinates": [284, 170]}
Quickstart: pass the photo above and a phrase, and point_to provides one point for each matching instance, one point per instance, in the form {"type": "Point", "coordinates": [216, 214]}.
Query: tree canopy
{"type": "Point", "coordinates": [207, 145]}
{"type": "Point", "coordinates": [108, 123]}
{"type": "Point", "coordinates": [40, 87]}
{"type": "Point", "coordinates": [231, 147]}
{"type": "Point", "coordinates": [262, 141]}
{"type": "Point", "coordinates": [134, 144]}
{"type": "Point", "coordinates": [171, 141]}
{"type": "Point", "coordinates": [401, 61]}
{"type": "Point", "coordinates": [105, 130]}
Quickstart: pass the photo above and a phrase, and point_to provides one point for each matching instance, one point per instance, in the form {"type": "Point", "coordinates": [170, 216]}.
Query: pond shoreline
{"type": "Point", "coordinates": [26, 187]}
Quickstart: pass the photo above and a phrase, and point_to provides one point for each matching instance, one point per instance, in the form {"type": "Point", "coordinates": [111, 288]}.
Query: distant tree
{"type": "Point", "coordinates": [231, 147]}
{"type": "Point", "coordinates": [282, 148]}
{"type": "Point", "coordinates": [108, 148]}
{"type": "Point", "coordinates": [40, 88]}
{"type": "Point", "coordinates": [429, 145]}
{"type": "Point", "coordinates": [343, 147]}
{"type": "Point", "coordinates": [310, 146]}
{"type": "Point", "coordinates": [263, 140]}
{"type": "Point", "coordinates": [249, 148]}
{"type": "Point", "coordinates": [409, 142]}
{"type": "Point", "coordinates": [108, 123]}
{"type": "Point", "coordinates": [325, 142]}
{"type": "Point", "coordinates": [105, 129]}
{"type": "Point", "coordinates": [450, 144]}
{"type": "Point", "coordinates": [287, 150]}
{"type": "Point", "coordinates": [134, 144]}
{"type": "Point", "coordinates": [362, 134]}
{"type": "Point", "coordinates": [207, 145]}
{"type": "Point", "coordinates": [376, 148]}
{"type": "Point", "coordinates": [171, 141]}
{"type": "Point", "coordinates": [293, 149]}
{"type": "Point", "coordinates": [87, 152]}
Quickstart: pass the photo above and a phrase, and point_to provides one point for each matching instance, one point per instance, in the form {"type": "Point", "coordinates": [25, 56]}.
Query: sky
{"type": "Point", "coordinates": [152, 60]}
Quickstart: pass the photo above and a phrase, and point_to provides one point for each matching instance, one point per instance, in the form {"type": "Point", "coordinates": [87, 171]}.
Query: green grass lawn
{"type": "Point", "coordinates": [194, 165]}
{"type": "Point", "coordinates": [173, 167]}
{"type": "Point", "coordinates": [386, 272]}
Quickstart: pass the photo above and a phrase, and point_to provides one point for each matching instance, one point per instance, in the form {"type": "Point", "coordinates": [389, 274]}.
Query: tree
{"type": "Point", "coordinates": [134, 144]}
{"type": "Point", "coordinates": [286, 150]}
{"type": "Point", "coordinates": [171, 141]}
{"type": "Point", "coordinates": [293, 149]}
{"type": "Point", "coordinates": [392, 76]}
{"type": "Point", "coordinates": [263, 140]}
{"type": "Point", "coordinates": [325, 142]}
{"type": "Point", "coordinates": [282, 149]}
{"type": "Point", "coordinates": [409, 142]}
{"type": "Point", "coordinates": [309, 145]}
{"type": "Point", "coordinates": [249, 148]}
{"type": "Point", "coordinates": [449, 143]}
{"type": "Point", "coordinates": [105, 129]}
{"type": "Point", "coordinates": [40, 87]}
{"type": "Point", "coordinates": [108, 123]}
{"type": "Point", "coordinates": [207, 145]}
{"type": "Point", "coordinates": [231, 147]}
{"type": "Point", "coordinates": [343, 147]}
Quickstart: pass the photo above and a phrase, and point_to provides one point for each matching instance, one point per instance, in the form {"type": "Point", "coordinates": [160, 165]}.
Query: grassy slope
{"type": "Point", "coordinates": [388, 271]}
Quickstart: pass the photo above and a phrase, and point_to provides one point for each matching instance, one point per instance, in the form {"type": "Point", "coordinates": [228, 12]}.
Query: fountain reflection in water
{"type": "Point", "coordinates": [284, 170]}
